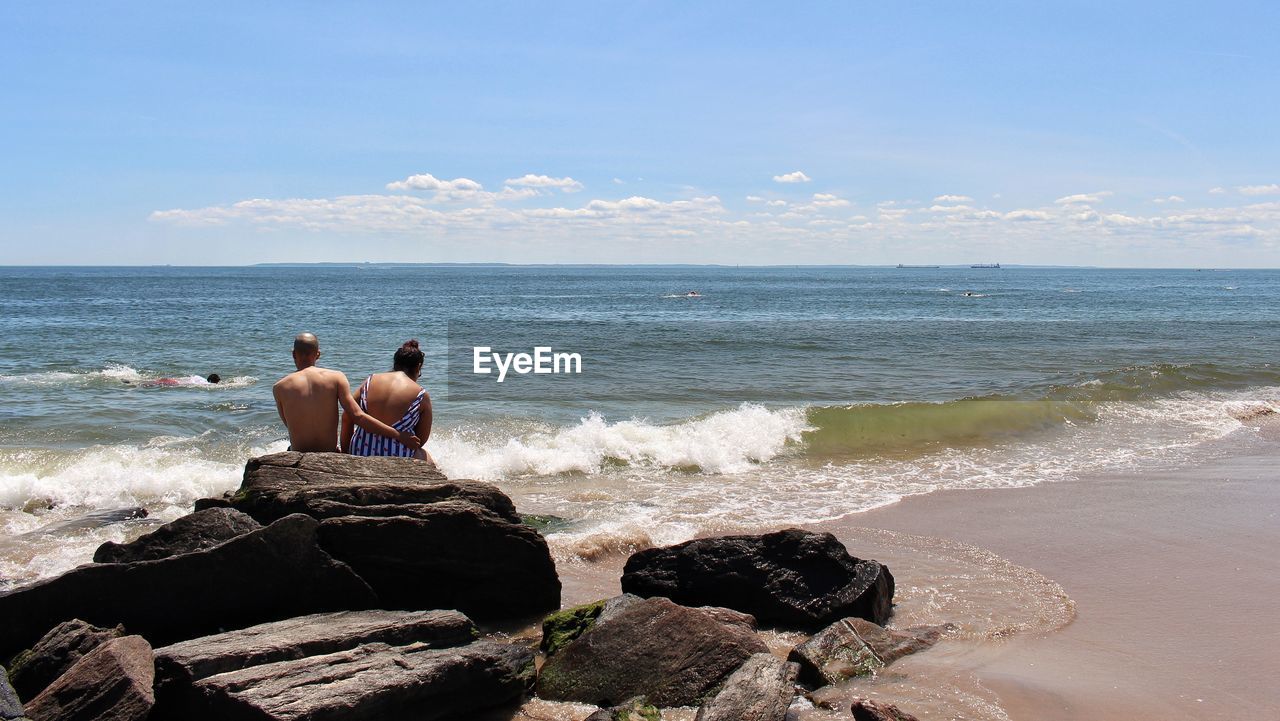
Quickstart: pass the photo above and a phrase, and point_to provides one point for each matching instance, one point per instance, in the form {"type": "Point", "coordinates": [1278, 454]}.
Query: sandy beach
{"type": "Point", "coordinates": [1173, 577]}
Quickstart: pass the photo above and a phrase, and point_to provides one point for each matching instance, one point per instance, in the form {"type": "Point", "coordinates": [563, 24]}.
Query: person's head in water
{"type": "Point", "coordinates": [214, 378]}
{"type": "Point", "coordinates": [306, 350]}
{"type": "Point", "coordinates": [408, 359]}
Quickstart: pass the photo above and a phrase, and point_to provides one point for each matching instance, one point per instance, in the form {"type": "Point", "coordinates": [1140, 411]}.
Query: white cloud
{"type": "Point", "coordinates": [777, 203]}
{"type": "Point", "coordinates": [1272, 189]}
{"type": "Point", "coordinates": [828, 200]}
{"type": "Point", "coordinates": [427, 181]}
{"type": "Point", "coordinates": [754, 199]}
{"type": "Point", "coordinates": [796, 177]}
{"type": "Point", "coordinates": [566, 184]}
{"type": "Point", "coordinates": [1027, 215]}
{"type": "Point", "coordinates": [619, 181]}
{"type": "Point", "coordinates": [953, 199]}
{"type": "Point", "coordinates": [1170, 199]}
{"type": "Point", "coordinates": [1083, 198]}
{"type": "Point", "coordinates": [1217, 191]}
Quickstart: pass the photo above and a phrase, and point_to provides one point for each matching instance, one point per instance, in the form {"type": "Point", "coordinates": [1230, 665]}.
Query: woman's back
{"type": "Point", "coordinates": [389, 396]}
{"type": "Point", "coordinates": [395, 398]}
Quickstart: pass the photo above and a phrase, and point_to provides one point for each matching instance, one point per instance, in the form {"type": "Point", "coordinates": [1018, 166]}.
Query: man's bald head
{"type": "Point", "coordinates": [306, 343]}
{"type": "Point", "coordinates": [306, 350]}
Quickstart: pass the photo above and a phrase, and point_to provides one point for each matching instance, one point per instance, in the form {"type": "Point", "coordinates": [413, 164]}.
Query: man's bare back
{"type": "Point", "coordinates": [308, 402]}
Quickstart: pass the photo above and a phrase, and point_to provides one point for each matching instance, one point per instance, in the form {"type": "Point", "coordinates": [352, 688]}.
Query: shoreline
{"type": "Point", "coordinates": [1170, 573]}
{"type": "Point", "coordinates": [1165, 578]}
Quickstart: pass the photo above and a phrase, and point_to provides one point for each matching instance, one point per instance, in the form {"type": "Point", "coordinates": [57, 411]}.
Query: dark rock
{"type": "Point", "coordinates": [856, 647]}
{"type": "Point", "coordinates": [671, 655]}
{"type": "Point", "coordinates": [373, 681]}
{"type": "Point", "coordinates": [324, 485]}
{"type": "Point", "coordinates": [791, 578]}
{"type": "Point", "coordinates": [730, 617]}
{"type": "Point", "coordinates": [760, 690]}
{"type": "Point", "coordinates": [195, 532]}
{"type": "Point", "coordinates": [111, 683]}
{"type": "Point", "coordinates": [632, 710]}
{"type": "Point", "coordinates": [864, 709]}
{"type": "Point", "coordinates": [272, 573]}
{"type": "Point", "coordinates": [182, 664]}
{"type": "Point", "coordinates": [10, 706]}
{"type": "Point", "coordinates": [455, 554]}
{"type": "Point", "coordinates": [90, 521]}
{"type": "Point", "coordinates": [58, 650]}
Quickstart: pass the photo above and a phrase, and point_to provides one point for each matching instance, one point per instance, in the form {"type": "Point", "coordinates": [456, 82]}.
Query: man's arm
{"type": "Point", "coordinates": [368, 422]}
{"type": "Point", "coordinates": [275, 392]}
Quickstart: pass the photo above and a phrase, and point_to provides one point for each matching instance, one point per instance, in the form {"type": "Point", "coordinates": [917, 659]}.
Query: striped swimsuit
{"type": "Point", "coordinates": [364, 443]}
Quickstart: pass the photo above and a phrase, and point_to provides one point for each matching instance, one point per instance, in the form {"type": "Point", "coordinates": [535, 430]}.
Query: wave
{"type": "Point", "coordinates": [723, 442]}
{"type": "Point", "coordinates": [118, 374]}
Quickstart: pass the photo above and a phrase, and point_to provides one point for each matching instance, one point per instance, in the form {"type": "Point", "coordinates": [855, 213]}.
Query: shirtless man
{"type": "Point", "coordinates": [308, 402]}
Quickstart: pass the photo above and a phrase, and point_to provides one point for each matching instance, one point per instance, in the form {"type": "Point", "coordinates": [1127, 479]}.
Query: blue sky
{"type": "Point", "coordinates": [1091, 133]}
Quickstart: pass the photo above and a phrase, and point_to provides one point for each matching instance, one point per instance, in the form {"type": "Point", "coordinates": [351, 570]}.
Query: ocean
{"type": "Point", "coordinates": [775, 396]}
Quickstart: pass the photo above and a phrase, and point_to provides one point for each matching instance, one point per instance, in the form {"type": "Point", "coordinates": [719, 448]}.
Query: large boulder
{"type": "Point", "coordinates": [451, 554]}
{"type": "Point", "coordinates": [856, 647]}
{"type": "Point", "coordinates": [195, 532]}
{"type": "Point", "coordinates": [273, 573]}
{"type": "Point", "coordinates": [373, 681]}
{"type": "Point", "coordinates": [181, 665]}
{"type": "Point", "coordinates": [670, 654]}
{"type": "Point", "coordinates": [761, 690]}
{"type": "Point", "coordinates": [324, 485]}
{"type": "Point", "coordinates": [31, 671]}
{"type": "Point", "coordinates": [111, 683]}
{"type": "Point", "coordinates": [10, 706]}
{"type": "Point", "coordinates": [791, 578]}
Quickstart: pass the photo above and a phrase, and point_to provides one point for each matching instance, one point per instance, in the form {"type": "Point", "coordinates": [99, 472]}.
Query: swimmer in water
{"type": "Point", "coordinates": [211, 379]}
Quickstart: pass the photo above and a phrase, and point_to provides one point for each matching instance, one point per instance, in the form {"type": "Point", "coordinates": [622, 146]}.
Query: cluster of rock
{"type": "Point", "coordinates": [331, 587]}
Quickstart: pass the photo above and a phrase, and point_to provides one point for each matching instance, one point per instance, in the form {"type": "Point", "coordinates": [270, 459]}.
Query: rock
{"type": "Point", "coordinates": [856, 647]}
{"type": "Point", "coordinates": [671, 655]}
{"type": "Point", "coordinates": [632, 710]}
{"type": "Point", "coordinates": [864, 709]}
{"type": "Point", "coordinates": [760, 690]}
{"type": "Point", "coordinates": [195, 532]}
{"type": "Point", "coordinates": [791, 578]}
{"type": "Point", "coordinates": [266, 575]}
{"type": "Point", "coordinates": [10, 706]}
{"type": "Point", "coordinates": [89, 521]}
{"type": "Point", "coordinates": [325, 485]}
{"type": "Point", "coordinates": [182, 664]}
{"type": "Point", "coordinates": [561, 627]}
{"type": "Point", "coordinates": [373, 681]}
{"type": "Point", "coordinates": [111, 683]}
{"type": "Point", "coordinates": [730, 617]}
{"type": "Point", "coordinates": [455, 554]}
{"type": "Point", "coordinates": [58, 650]}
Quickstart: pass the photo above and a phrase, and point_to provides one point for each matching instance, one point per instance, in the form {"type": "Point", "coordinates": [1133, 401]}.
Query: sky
{"type": "Point", "coordinates": [1073, 133]}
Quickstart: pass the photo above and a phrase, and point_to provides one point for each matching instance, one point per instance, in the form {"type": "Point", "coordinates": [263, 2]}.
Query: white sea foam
{"type": "Point", "coordinates": [115, 373]}
{"type": "Point", "coordinates": [725, 442]}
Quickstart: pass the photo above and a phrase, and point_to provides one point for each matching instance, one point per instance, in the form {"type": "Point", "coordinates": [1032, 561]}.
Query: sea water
{"type": "Point", "coordinates": [776, 396]}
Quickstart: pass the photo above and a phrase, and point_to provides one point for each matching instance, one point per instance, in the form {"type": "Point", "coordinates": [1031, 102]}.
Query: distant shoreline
{"type": "Point", "coordinates": [744, 266]}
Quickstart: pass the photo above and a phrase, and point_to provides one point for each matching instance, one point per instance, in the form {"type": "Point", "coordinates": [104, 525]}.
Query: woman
{"type": "Point", "coordinates": [394, 398]}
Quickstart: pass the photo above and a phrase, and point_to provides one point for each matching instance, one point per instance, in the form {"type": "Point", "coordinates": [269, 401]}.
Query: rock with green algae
{"type": "Point", "coordinates": [635, 709]}
{"type": "Point", "coordinates": [561, 627]}
{"type": "Point", "coordinates": [671, 655]}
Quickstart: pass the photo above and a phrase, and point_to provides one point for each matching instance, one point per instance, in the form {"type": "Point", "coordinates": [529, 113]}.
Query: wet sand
{"type": "Point", "coordinates": [1175, 578]}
